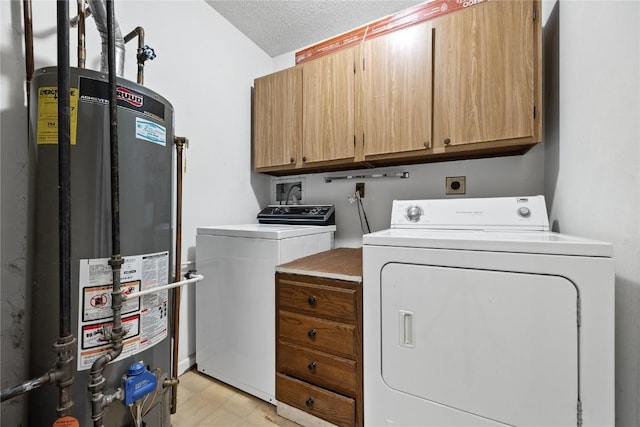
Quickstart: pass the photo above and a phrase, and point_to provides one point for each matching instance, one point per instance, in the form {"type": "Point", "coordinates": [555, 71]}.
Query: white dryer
{"type": "Point", "coordinates": [475, 314]}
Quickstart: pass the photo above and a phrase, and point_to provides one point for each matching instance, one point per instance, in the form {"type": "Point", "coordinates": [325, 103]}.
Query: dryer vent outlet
{"type": "Point", "coordinates": [456, 185]}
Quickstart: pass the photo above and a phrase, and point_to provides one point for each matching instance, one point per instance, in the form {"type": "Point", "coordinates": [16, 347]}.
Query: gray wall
{"type": "Point", "coordinates": [592, 142]}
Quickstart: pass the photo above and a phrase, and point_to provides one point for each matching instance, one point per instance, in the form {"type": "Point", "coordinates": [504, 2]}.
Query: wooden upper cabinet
{"type": "Point", "coordinates": [464, 85]}
{"type": "Point", "coordinates": [277, 119]}
{"type": "Point", "coordinates": [485, 86]}
{"type": "Point", "coordinates": [396, 98]}
{"type": "Point", "coordinates": [328, 107]}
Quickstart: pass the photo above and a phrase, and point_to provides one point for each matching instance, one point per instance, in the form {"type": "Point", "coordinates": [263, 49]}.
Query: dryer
{"type": "Point", "coordinates": [475, 314]}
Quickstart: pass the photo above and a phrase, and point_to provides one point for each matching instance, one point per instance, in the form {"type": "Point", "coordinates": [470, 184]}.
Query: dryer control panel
{"type": "Point", "coordinates": [497, 213]}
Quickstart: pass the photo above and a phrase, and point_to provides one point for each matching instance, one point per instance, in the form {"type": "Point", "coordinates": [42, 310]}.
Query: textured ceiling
{"type": "Point", "coordinates": [281, 26]}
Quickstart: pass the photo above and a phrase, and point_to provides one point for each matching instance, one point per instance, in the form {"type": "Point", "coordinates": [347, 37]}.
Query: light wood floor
{"type": "Point", "coordinates": [205, 402]}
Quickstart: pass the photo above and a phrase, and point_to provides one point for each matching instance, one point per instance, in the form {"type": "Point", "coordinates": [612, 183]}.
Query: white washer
{"type": "Point", "coordinates": [475, 314]}
{"type": "Point", "coordinates": [235, 303]}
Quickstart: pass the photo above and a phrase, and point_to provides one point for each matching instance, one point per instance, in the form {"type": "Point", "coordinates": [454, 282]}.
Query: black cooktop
{"type": "Point", "coordinates": [298, 214]}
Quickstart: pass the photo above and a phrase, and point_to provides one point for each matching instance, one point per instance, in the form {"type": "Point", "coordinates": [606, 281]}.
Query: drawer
{"type": "Point", "coordinates": [332, 407]}
{"type": "Point", "coordinates": [332, 372]}
{"type": "Point", "coordinates": [314, 299]}
{"type": "Point", "coordinates": [320, 334]}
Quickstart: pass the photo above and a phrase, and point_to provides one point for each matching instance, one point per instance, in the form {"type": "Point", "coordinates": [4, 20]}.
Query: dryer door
{"type": "Point", "coordinates": [501, 345]}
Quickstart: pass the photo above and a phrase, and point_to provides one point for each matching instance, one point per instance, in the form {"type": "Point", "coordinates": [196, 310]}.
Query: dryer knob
{"type": "Point", "coordinates": [524, 212]}
{"type": "Point", "coordinates": [414, 213]}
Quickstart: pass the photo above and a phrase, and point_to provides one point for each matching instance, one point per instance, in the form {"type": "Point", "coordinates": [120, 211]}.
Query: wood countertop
{"type": "Point", "coordinates": [340, 263]}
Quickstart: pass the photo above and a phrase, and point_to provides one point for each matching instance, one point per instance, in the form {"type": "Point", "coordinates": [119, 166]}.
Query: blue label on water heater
{"type": "Point", "coordinates": [150, 131]}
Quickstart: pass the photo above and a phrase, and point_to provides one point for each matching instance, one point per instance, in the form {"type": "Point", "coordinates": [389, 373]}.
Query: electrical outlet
{"type": "Point", "coordinates": [456, 185]}
{"type": "Point", "coordinates": [360, 189]}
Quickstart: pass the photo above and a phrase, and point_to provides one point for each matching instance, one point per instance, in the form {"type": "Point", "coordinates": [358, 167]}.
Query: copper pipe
{"type": "Point", "coordinates": [180, 143]}
{"type": "Point", "coordinates": [139, 32]}
{"type": "Point", "coordinates": [82, 48]}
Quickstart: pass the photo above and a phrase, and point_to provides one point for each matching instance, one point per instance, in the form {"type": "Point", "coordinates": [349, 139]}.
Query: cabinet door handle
{"type": "Point", "coordinates": [447, 141]}
{"type": "Point", "coordinates": [312, 367]}
{"type": "Point", "coordinates": [312, 300]}
{"type": "Point", "coordinates": [291, 160]}
{"type": "Point", "coordinates": [309, 402]}
{"type": "Point", "coordinates": [304, 159]}
{"type": "Point", "coordinates": [312, 333]}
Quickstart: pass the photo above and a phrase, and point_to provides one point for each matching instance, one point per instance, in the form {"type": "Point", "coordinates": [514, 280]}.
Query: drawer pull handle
{"type": "Point", "coordinates": [309, 402]}
{"type": "Point", "coordinates": [312, 301]}
{"type": "Point", "coordinates": [312, 367]}
{"type": "Point", "coordinates": [312, 333]}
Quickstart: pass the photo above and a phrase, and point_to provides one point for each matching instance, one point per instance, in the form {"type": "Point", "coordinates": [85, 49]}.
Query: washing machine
{"type": "Point", "coordinates": [475, 314]}
{"type": "Point", "coordinates": [235, 303]}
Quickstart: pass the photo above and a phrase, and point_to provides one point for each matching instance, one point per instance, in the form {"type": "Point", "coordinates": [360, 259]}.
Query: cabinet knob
{"type": "Point", "coordinates": [312, 367]}
{"type": "Point", "coordinates": [427, 144]}
{"type": "Point", "coordinates": [447, 141]}
{"type": "Point", "coordinates": [291, 160]}
{"type": "Point", "coordinates": [312, 333]}
{"type": "Point", "coordinates": [312, 301]}
{"type": "Point", "coordinates": [304, 159]}
{"type": "Point", "coordinates": [309, 402]}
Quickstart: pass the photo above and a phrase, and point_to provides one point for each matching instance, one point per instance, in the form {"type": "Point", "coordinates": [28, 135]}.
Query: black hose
{"type": "Point", "coordinates": [64, 166]}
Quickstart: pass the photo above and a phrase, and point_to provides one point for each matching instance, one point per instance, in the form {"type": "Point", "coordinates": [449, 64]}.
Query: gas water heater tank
{"type": "Point", "coordinates": [145, 134]}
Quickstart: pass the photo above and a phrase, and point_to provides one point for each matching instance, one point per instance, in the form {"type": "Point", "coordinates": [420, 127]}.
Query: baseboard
{"type": "Point", "coordinates": [300, 417]}
{"type": "Point", "coordinates": [185, 364]}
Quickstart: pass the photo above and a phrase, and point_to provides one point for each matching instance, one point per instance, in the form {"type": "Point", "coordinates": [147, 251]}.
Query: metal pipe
{"type": "Point", "coordinates": [180, 144]}
{"type": "Point", "coordinates": [140, 56]}
{"type": "Point", "coordinates": [74, 21]}
{"type": "Point", "coordinates": [82, 48]}
{"type": "Point", "coordinates": [64, 175]}
{"type": "Point", "coordinates": [28, 44]}
{"type": "Point", "coordinates": [132, 295]}
{"type": "Point", "coordinates": [100, 15]}
{"type": "Point", "coordinates": [64, 345]}
{"type": "Point", "coordinates": [98, 400]}
{"type": "Point", "coordinates": [32, 384]}
{"type": "Point", "coordinates": [62, 375]}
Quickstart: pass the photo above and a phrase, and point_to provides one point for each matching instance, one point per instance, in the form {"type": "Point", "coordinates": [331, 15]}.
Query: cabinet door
{"type": "Point", "coordinates": [277, 118]}
{"type": "Point", "coordinates": [328, 107]}
{"type": "Point", "coordinates": [484, 86]}
{"type": "Point", "coordinates": [396, 91]}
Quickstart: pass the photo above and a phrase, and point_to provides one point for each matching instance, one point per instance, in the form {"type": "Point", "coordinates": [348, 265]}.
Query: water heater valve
{"type": "Point", "coordinates": [148, 52]}
{"type": "Point", "coordinates": [137, 383]}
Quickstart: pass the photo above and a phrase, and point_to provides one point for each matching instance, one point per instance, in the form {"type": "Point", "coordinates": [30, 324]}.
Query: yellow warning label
{"type": "Point", "coordinates": [47, 132]}
{"type": "Point", "coordinates": [67, 421]}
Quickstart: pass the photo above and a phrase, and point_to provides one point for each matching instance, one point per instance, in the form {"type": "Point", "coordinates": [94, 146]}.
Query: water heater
{"type": "Point", "coordinates": [145, 134]}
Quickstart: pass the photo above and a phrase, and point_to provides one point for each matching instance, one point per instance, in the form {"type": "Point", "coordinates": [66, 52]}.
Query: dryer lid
{"type": "Point", "coordinates": [265, 231]}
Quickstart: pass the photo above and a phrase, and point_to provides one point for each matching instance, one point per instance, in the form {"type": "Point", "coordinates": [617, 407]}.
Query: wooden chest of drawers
{"type": "Point", "coordinates": [319, 346]}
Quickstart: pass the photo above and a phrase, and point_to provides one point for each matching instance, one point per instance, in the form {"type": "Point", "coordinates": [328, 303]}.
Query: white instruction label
{"type": "Point", "coordinates": [144, 320]}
